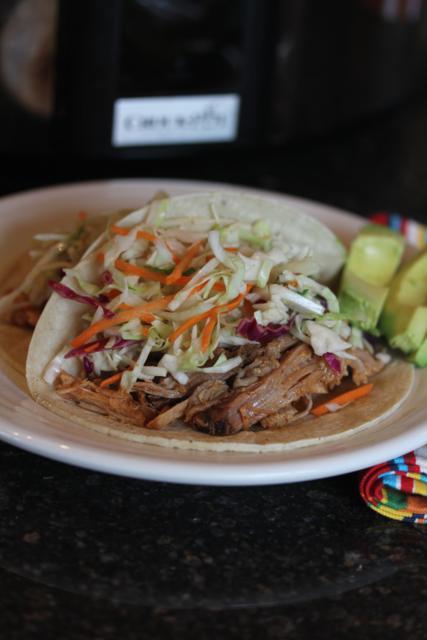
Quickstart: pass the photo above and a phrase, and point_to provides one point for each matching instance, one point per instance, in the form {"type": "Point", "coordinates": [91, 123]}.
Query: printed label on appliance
{"type": "Point", "coordinates": [175, 120]}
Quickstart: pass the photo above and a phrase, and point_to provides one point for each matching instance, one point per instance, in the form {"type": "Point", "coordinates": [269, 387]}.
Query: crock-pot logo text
{"type": "Point", "coordinates": [209, 118]}
{"type": "Point", "coordinates": [185, 119]}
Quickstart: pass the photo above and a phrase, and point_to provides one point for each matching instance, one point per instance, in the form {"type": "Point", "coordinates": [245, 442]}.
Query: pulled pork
{"type": "Point", "coordinates": [274, 385]}
{"type": "Point", "coordinates": [26, 317]}
{"type": "Point", "coordinates": [269, 394]}
{"type": "Point", "coordinates": [274, 399]}
{"type": "Point", "coordinates": [104, 401]}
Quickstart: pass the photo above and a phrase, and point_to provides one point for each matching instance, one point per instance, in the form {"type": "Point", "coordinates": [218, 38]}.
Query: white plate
{"type": "Point", "coordinates": [29, 426]}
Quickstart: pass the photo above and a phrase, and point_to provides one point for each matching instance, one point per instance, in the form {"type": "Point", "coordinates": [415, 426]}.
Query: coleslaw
{"type": "Point", "coordinates": [168, 295]}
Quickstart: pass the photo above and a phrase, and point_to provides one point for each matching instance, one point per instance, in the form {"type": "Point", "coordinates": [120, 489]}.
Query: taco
{"type": "Point", "coordinates": [25, 288]}
{"type": "Point", "coordinates": [208, 322]}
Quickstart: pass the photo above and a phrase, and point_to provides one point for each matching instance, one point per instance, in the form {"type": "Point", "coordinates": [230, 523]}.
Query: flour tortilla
{"type": "Point", "coordinates": [15, 341]}
{"type": "Point", "coordinates": [61, 320]}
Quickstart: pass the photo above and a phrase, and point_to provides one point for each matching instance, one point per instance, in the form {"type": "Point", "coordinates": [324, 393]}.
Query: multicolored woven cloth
{"type": "Point", "coordinates": [414, 232]}
{"type": "Point", "coordinates": [398, 489]}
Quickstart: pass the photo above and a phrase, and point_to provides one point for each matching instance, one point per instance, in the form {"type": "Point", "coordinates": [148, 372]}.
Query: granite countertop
{"type": "Point", "coordinates": [89, 555]}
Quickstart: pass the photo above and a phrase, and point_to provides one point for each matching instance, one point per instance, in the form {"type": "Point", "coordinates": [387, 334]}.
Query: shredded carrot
{"type": "Point", "coordinates": [184, 263]}
{"type": "Point", "coordinates": [223, 308]}
{"type": "Point", "coordinates": [207, 332]}
{"type": "Point", "coordinates": [183, 280]}
{"type": "Point", "coordinates": [175, 258]}
{"type": "Point", "coordinates": [188, 324]}
{"type": "Point", "coordinates": [122, 231]}
{"type": "Point", "coordinates": [93, 346]}
{"type": "Point", "coordinates": [146, 235]}
{"type": "Point", "coordinates": [142, 311]}
{"type": "Point", "coordinates": [100, 257]}
{"type": "Point", "coordinates": [82, 215]}
{"type": "Point", "coordinates": [197, 288]}
{"type": "Point", "coordinates": [344, 398]}
{"type": "Point", "coordinates": [143, 272]}
{"type": "Point", "coordinates": [218, 286]}
{"type": "Point", "coordinates": [119, 231]}
{"type": "Point", "coordinates": [112, 379]}
{"type": "Point", "coordinates": [112, 293]}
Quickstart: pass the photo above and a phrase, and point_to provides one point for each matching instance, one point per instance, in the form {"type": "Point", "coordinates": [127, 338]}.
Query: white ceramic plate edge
{"type": "Point", "coordinates": [87, 449]}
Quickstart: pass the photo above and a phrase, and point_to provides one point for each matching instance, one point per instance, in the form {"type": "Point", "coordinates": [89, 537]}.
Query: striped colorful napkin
{"type": "Point", "coordinates": [414, 232]}
{"type": "Point", "coordinates": [398, 489]}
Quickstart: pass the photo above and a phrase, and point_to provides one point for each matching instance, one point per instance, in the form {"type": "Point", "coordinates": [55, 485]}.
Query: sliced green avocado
{"type": "Point", "coordinates": [375, 254]}
{"type": "Point", "coordinates": [404, 319]}
{"type": "Point", "coordinates": [410, 285]}
{"type": "Point", "coordinates": [374, 257]}
{"type": "Point", "coordinates": [360, 301]}
{"type": "Point", "coordinates": [405, 329]}
{"type": "Point", "coordinates": [420, 356]}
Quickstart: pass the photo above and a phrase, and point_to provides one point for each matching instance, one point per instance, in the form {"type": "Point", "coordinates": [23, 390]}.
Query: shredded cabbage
{"type": "Point", "coordinates": [130, 377]}
{"type": "Point", "coordinates": [222, 365]}
{"type": "Point", "coordinates": [60, 363]}
{"type": "Point", "coordinates": [170, 363]}
{"type": "Point", "coordinates": [296, 301]}
{"type": "Point", "coordinates": [324, 340]}
{"type": "Point", "coordinates": [118, 245]}
{"type": "Point", "coordinates": [239, 286]}
{"type": "Point", "coordinates": [264, 272]}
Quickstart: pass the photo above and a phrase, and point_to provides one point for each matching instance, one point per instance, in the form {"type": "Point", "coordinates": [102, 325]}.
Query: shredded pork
{"type": "Point", "coordinates": [167, 417]}
{"type": "Point", "coordinates": [274, 386]}
{"type": "Point", "coordinates": [105, 401]}
{"type": "Point", "coordinates": [26, 317]}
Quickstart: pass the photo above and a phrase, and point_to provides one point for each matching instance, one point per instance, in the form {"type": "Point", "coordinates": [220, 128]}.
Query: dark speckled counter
{"type": "Point", "coordinates": [86, 555]}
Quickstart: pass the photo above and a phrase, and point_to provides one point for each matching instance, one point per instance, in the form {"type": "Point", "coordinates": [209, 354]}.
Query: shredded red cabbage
{"type": "Point", "coordinates": [99, 345]}
{"type": "Point", "coordinates": [123, 342]}
{"type": "Point", "coordinates": [249, 328]}
{"type": "Point", "coordinates": [64, 291]}
{"type": "Point", "coordinates": [106, 277]}
{"type": "Point", "coordinates": [88, 365]}
{"type": "Point", "coordinates": [333, 361]}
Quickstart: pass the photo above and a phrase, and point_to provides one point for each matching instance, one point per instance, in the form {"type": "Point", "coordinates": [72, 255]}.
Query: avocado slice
{"type": "Point", "coordinates": [410, 285]}
{"type": "Point", "coordinates": [374, 257]}
{"type": "Point", "coordinates": [375, 254]}
{"type": "Point", "coordinates": [404, 319]}
{"type": "Point", "coordinates": [361, 301]}
{"type": "Point", "coordinates": [420, 356]}
{"type": "Point", "coordinates": [406, 329]}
